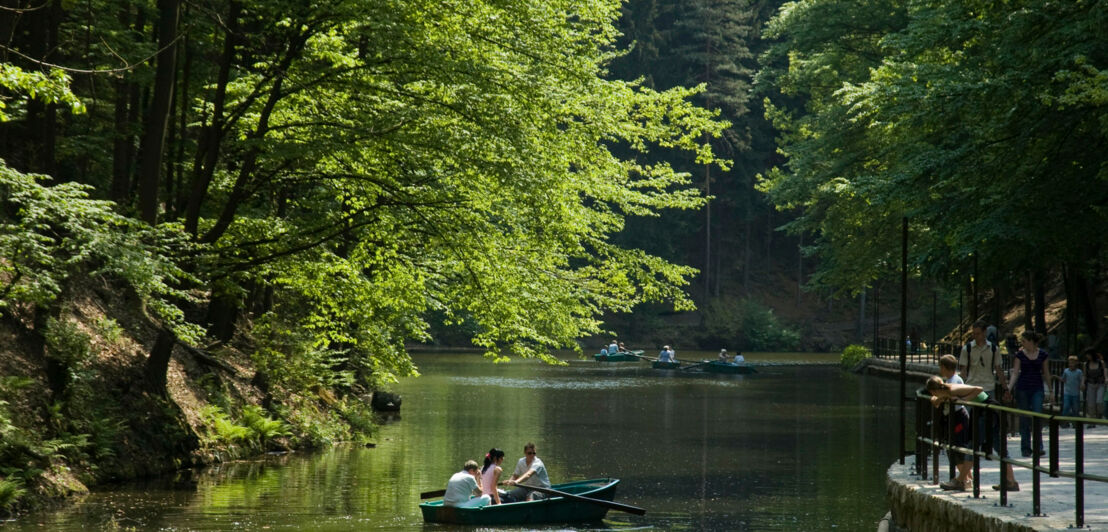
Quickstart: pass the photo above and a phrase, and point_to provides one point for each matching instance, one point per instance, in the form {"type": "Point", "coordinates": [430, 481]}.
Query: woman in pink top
{"type": "Point", "coordinates": [490, 475]}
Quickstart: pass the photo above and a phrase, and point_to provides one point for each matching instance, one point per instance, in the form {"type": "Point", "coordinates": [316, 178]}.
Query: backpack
{"type": "Point", "coordinates": [969, 366]}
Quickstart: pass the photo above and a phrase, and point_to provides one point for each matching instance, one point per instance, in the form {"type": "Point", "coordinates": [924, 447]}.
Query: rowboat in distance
{"type": "Point", "coordinates": [716, 366]}
{"type": "Point", "coordinates": [622, 356]}
{"type": "Point", "coordinates": [550, 510]}
{"type": "Point", "coordinates": [657, 364]}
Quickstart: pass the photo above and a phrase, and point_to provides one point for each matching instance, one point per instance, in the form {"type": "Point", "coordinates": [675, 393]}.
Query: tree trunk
{"type": "Point", "coordinates": [240, 191]}
{"type": "Point", "coordinates": [42, 117]}
{"type": "Point", "coordinates": [178, 200]}
{"type": "Point", "coordinates": [1028, 311]}
{"type": "Point", "coordinates": [1039, 287]}
{"type": "Point", "coordinates": [859, 330]}
{"type": "Point", "coordinates": [157, 119]}
{"type": "Point", "coordinates": [157, 366]}
{"type": "Point", "coordinates": [223, 311]}
{"type": "Point", "coordinates": [212, 136]}
{"type": "Point", "coordinates": [1088, 307]}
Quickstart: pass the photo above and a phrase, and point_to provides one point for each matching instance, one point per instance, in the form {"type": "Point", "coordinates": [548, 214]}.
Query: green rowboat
{"type": "Point", "coordinates": [665, 365]}
{"type": "Point", "coordinates": [550, 510]}
{"type": "Point", "coordinates": [728, 368]}
{"type": "Point", "coordinates": [622, 356]}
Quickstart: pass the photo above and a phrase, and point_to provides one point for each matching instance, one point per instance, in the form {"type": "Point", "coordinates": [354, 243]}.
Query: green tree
{"type": "Point", "coordinates": [345, 168]}
{"type": "Point", "coordinates": [961, 116]}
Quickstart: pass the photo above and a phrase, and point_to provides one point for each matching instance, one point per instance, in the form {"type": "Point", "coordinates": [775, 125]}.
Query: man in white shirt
{"type": "Point", "coordinates": [462, 487]}
{"type": "Point", "coordinates": [666, 355]}
{"type": "Point", "coordinates": [980, 363]}
{"type": "Point", "coordinates": [530, 471]}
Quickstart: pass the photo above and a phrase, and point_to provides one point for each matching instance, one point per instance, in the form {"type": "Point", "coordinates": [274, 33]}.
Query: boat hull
{"type": "Point", "coordinates": [665, 365]}
{"type": "Point", "coordinates": [633, 356]}
{"type": "Point", "coordinates": [550, 510]}
{"type": "Point", "coordinates": [726, 368]}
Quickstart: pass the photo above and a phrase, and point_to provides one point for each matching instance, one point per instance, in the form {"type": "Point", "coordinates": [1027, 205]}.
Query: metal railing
{"type": "Point", "coordinates": [993, 419]}
{"type": "Point", "coordinates": [889, 349]}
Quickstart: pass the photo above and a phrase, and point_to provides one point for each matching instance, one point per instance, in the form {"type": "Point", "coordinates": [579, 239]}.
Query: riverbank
{"type": "Point", "coordinates": [77, 409]}
{"type": "Point", "coordinates": [920, 505]}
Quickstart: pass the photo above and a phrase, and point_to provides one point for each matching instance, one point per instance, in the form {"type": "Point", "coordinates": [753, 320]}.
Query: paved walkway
{"type": "Point", "coordinates": [1058, 494]}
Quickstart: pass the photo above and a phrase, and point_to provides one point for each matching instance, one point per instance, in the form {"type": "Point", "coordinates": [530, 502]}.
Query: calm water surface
{"type": "Point", "coordinates": [793, 447]}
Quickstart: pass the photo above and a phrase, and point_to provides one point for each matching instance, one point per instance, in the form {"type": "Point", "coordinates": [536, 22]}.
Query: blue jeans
{"type": "Point", "coordinates": [1070, 405]}
{"type": "Point", "coordinates": [1029, 400]}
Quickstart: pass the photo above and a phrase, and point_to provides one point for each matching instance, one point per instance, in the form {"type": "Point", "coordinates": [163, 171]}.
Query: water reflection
{"type": "Point", "coordinates": [790, 448]}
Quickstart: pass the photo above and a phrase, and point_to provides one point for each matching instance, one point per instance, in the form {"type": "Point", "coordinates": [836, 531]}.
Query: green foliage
{"type": "Point", "coordinates": [977, 121]}
{"type": "Point", "coordinates": [746, 325]}
{"type": "Point", "coordinates": [47, 87]}
{"type": "Point", "coordinates": [67, 343]}
{"type": "Point", "coordinates": [109, 329]}
{"type": "Point", "coordinates": [222, 429]}
{"type": "Point", "coordinates": [852, 355]}
{"type": "Point", "coordinates": [262, 427]}
{"type": "Point", "coordinates": [763, 331]}
{"type": "Point", "coordinates": [49, 234]}
{"type": "Point", "coordinates": [253, 430]}
{"type": "Point", "coordinates": [11, 490]}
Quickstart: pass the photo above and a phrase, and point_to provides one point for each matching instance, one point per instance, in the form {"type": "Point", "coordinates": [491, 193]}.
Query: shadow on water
{"type": "Point", "coordinates": [793, 447]}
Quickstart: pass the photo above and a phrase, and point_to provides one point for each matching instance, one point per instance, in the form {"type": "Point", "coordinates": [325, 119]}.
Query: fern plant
{"type": "Point", "coordinates": [11, 491]}
{"type": "Point", "coordinates": [263, 427]}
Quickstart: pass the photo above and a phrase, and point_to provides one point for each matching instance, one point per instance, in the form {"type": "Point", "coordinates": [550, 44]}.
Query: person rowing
{"type": "Point", "coordinates": [529, 471]}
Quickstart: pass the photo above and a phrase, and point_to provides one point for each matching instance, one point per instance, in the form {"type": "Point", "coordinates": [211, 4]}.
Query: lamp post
{"type": "Point", "coordinates": [903, 328]}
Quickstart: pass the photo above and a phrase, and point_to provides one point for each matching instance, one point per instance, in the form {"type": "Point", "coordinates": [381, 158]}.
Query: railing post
{"type": "Point", "coordinates": [949, 431]}
{"type": "Point", "coordinates": [975, 424]}
{"type": "Point", "coordinates": [921, 468]}
{"type": "Point", "coordinates": [1053, 447]}
{"type": "Point", "coordinates": [1079, 470]}
{"type": "Point", "coordinates": [934, 446]}
{"type": "Point", "coordinates": [1004, 459]}
{"type": "Point", "coordinates": [1036, 445]}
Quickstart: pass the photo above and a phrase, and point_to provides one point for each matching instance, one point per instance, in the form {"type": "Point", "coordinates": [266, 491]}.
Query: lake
{"type": "Point", "coordinates": [801, 445]}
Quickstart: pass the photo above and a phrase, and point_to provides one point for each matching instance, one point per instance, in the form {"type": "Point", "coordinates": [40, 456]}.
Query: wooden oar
{"type": "Point", "coordinates": [698, 364]}
{"type": "Point", "coordinates": [432, 494]}
{"type": "Point", "coordinates": [632, 353]}
{"type": "Point", "coordinates": [599, 502]}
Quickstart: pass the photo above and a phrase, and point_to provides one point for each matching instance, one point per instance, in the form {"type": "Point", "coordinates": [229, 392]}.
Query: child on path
{"type": "Point", "coordinates": [1073, 381]}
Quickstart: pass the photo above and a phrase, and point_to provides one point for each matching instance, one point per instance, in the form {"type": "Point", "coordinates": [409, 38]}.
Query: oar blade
{"type": "Point", "coordinates": [432, 494]}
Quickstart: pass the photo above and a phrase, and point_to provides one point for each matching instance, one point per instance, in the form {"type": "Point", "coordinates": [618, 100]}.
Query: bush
{"type": "Point", "coordinates": [853, 354]}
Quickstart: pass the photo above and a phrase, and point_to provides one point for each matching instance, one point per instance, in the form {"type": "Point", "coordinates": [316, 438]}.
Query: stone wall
{"type": "Point", "coordinates": [921, 512]}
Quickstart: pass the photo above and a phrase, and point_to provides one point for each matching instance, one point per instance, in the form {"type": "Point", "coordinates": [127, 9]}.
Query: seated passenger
{"type": "Point", "coordinates": [666, 355]}
{"type": "Point", "coordinates": [613, 348]}
{"type": "Point", "coordinates": [739, 359]}
{"type": "Point", "coordinates": [490, 474]}
{"type": "Point", "coordinates": [462, 490]}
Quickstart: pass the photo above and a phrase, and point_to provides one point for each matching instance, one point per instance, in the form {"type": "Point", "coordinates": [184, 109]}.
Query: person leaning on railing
{"type": "Point", "coordinates": [943, 392]}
